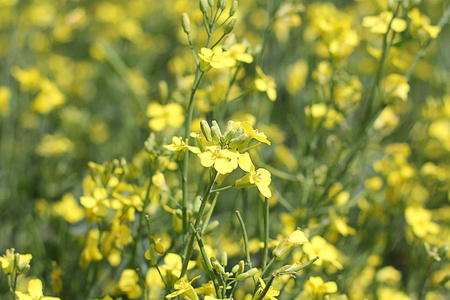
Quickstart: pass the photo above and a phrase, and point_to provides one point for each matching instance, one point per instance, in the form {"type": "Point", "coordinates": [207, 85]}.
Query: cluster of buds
{"type": "Point", "coordinates": [12, 263]}
{"type": "Point", "coordinates": [238, 270]}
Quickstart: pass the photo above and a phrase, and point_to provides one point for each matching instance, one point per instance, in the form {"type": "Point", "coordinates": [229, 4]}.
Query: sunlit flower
{"type": "Point", "coordinates": [266, 84]}
{"type": "Point", "coordinates": [326, 252]}
{"type": "Point", "coordinates": [213, 59]}
{"type": "Point", "coordinates": [237, 53]}
{"type": "Point", "coordinates": [129, 284]}
{"type": "Point", "coordinates": [34, 292]}
{"type": "Point", "coordinates": [54, 145]}
{"type": "Point", "coordinates": [260, 178]}
{"type": "Point", "coordinates": [179, 147]}
{"type": "Point", "coordinates": [91, 251]}
{"type": "Point", "coordinates": [223, 160]}
{"type": "Point", "coordinates": [315, 287]}
{"type": "Point", "coordinates": [271, 293]}
{"type": "Point", "coordinates": [419, 219]}
{"type": "Point", "coordinates": [13, 262]}
{"type": "Point", "coordinates": [420, 25]}
{"type": "Point", "coordinates": [69, 209]}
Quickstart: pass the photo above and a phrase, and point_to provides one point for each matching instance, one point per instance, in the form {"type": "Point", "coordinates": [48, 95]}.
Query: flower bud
{"type": "Point", "coordinates": [295, 238]}
{"type": "Point", "coordinates": [241, 267]}
{"type": "Point", "coordinates": [211, 3]}
{"type": "Point", "coordinates": [230, 26]}
{"type": "Point", "coordinates": [233, 8]}
{"type": "Point", "coordinates": [224, 259]}
{"type": "Point", "coordinates": [240, 141]}
{"type": "Point", "coordinates": [206, 130]}
{"type": "Point", "coordinates": [229, 41]}
{"type": "Point", "coordinates": [222, 4]}
{"type": "Point", "coordinates": [215, 132]}
{"type": "Point", "coordinates": [235, 268]}
{"type": "Point", "coordinates": [186, 23]}
{"type": "Point", "coordinates": [247, 274]}
{"type": "Point", "coordinates": [218, 267]}
{"type": "Point", "coordinates": [204, 6]}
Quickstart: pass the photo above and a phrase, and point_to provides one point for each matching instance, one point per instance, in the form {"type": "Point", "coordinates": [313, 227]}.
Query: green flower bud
{"type": "Point", "coordinates": [229, 41]}
{"type": "Point", "coordinates": [241, 267]}
{"type": "Point", "coordinates": [186, 23]}
{"type": "Point", "coordinates": [239, 142]}
{"type": "Point", "coordinates": [247, 274]}
{"type": "Point", "coordinates": [215, 132]}
{"type": "Point", "coordinates": [211, 3]}
{"type": "Point", "coordinates": [206, 130]}
{"type": "Point", "coordinates": [235, 268]}
{"type": "Point", "coordinates": [222, 4]}
{"type": "Point", "coordinates": [204, 6]}
{"type": "Point", "coordinates": [224, 259]}
{"type": "Point", "coordinates": [233, 8]}
{"type": "Point", "coordinates": [230, 26]}
{"type": "Point", "coordinates": [218, 267]}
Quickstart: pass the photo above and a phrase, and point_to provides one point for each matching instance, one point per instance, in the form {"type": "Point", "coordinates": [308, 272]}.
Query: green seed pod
{"type": "Point", "coordinates": [206, 130]}
{"type": "Point", "coordinates": [186, 23]}
{"type": "Point", "coordinates": [233, 8]}
{"type": "Point", "coordinates": [230, 26]}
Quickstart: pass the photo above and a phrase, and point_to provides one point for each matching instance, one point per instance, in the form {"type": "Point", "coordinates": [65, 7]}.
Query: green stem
{"type": "Point", "coordinates": [190, 245]}
{"type": "Point", "coordinates": [266, 289]}
{"type": "Point", "coordinates": [222, 189]}
{"type": "Point", "coordinates": [209, 269]}
{"type": "Point", "coordinates": [268, 266]}
{"type": "Point", "coordinates": [244, 234]}
{"type": "Point", "coordinates": [266, 232]}
{"type": "Point", "coordinates": [184, 176]}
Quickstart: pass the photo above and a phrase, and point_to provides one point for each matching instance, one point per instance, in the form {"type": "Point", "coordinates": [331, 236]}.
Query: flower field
{"type": "Point", "coordinates": [214, 149]}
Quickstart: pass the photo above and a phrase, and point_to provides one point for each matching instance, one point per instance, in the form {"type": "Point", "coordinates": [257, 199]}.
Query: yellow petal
{"type": "Point", "coordinates": [35, 288]}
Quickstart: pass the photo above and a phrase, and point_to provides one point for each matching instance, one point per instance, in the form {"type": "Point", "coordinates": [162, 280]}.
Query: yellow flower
{"type": "Point", "coordinates": [260, 178]}
{"type": "Point", "coordinates": [396, 86]}
{"type": "Point", "coordinates": [271, 293]}
{"type": "Point", "coordinates": [285, 245]}
{"type": "Point", "coordinates": [15, 262]}
{"type": "Point", "coordinates": [5, 96]}
{"type": "Point", "coordinates": [69, 209]}
{"type": "Point", "coordinates": [171, 115]}
{"type": "Point", "coordinates": [28, 78]}
{"type": "Point", "coordinates": [420, 25]}
{"type": "Point", "coordinates": [49, 98]}
{"type": "Point", "coordinates": [173, 263]}
{"type": "Point", "coordinates": [129, 284]}
{"type": "Point", "coordinates": [252, 133]}
{"type": "Point", "coordinates": [318, 246]}
{"type": "Point", "coordinates": [34, 292]}
{"type": "Point", "coordinates": [223, 160]}
{"type": "Point", "coordinates": [379, 24]}
{"type": "Point", "coordinates": [91, 251]}
{"type": "Point", "coordinates": [54, 145]}
{"type": "Point", "coordinates": [184, 288]}
{"type": "Point", "coordinates": [179, 147]}
{"type": "Point", "coordinates": [266, 84]}
{"type": "Point", "coordinates": [315, 287]}
{"type": "Point", "coordinates": [237, 53]}
{"type": "Point", "coordinates": [419, 219]}
{"type": "Point", "coordinates": [212, 59]}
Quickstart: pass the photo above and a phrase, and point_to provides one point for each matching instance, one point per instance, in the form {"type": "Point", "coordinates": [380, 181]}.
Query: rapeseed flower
{"type": "Point", "coordinates": [12, 262]}
{"type": "Point", "coordinates": [260, 178]}
{"type": "Point", "coordinates": [34, 292]}
{"type": "Point", "coordinates": [213, 59]}
{"type": "Point", "coordinates": [162, 116]}
{"type": "Point", "coordinates": [54, 145]}
{"type": "Point", "coordinates": [129, 284]}
{"type": "Point", "coordinates": [285, 245]}
{"type": "Point", "coordinates": [420, 25]}
{"type": "Point", "coordinates": [379, 24]}
{"type": "Point", "coordinates": [237, 53]}
{"type": "Point", "coordinates": [326, 252]}
{"type": "Point", "coordinates": [266, 84]}
{"type": "Point", "coordinates": [183, 287]}
{"type": "Point", "coordinates": [5, 96]}
{"type": "Point", "coordinates": [316, 288]}
{"type": "Point", "coordinates": [223, 160]}
{"type": "Point", "coordinates": [179, 147]}
{"type": "Point", "coordinates": [91, 251]}
{"type": "Point", "coordinates": [271, 293]}
{"type": "Point", "coordinates": [69, 209]}
{"type": "Point", "coordinates": [420, 221]}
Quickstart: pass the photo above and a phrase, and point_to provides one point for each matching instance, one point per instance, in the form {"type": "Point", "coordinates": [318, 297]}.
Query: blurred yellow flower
{"type": "Point", "coordinates": [162, 116]}
{"type": "Point", "coordinates": [285, 245]}
{"type": "Point", "coordinates": [420, 25]}
{"type": "Point", "coordinates": [179, 147]}
{"type": "Point", "coordinates": [237, 53]}
{"type": "Point", "coordinates": [296, 76]}
{"type": "Point", "coordinates": [271, 293]}
{"type": "Point", "coordinates": [29, 79]}
{"type": "Point", "coordinates": [129, 284]}
{"type": "Point", "coordinates": [318, 246]}
{"type": "Point", "coordinates": [91, 251]}
{"type": "Point", "coordinates": [69, 209]}
{"type": "Point", "coordinates": [316, 288]}
{"type": "Point", "coordinates": [54, 145]}
{"type": "Point", "coordinates": [266, 84]}
{"type": "Point", "coordinates": [396, 86]}
{"type": "Point", "coordinates": [379, 24]}
{"type": "Point", "coordinates": [5, 96]}
{"type": "Point", "coordinates": [34, 292]}
{"type": "Point", "coordinates": [49, 98]}
{"type": "Point", "coordinates": [419, 219]}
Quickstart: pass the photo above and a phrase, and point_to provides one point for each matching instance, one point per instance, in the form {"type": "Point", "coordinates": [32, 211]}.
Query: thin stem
{"type": "Point", "coordinates": [162, 278]}
{"type": "Point", "coordinates": [190, 245]}
{"type": "Point", "coordinates": [206, 259]}
{"type": "Point", "coordinates": [222, 189]}
{"type": "Point", "coordinates": [244, 234]}
{"type": "Point", "coordinates": [266, 232]}
{"type": "Point", "coordinates": [192, 49]}
{"type": "Point", "coordinates": [185, 166]}
{"type": "Point", "coordinates": [209, 214]}
{"type": "Point", "coordinates": [268, 266]}
{"type": "Point", "coordinates": [266, 289]}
